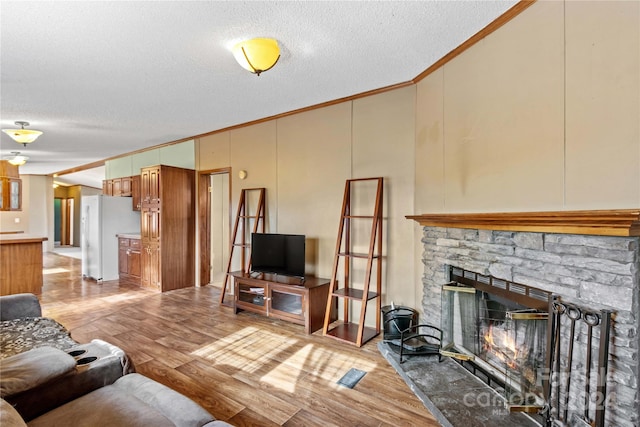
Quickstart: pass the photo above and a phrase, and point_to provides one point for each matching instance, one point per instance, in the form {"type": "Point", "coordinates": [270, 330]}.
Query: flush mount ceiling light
{"type": "Point", "coordinates": [23, 136]}
{"type": "Point", "coordinates": [17, 159]}
{"type": "Point", "coordinates": [257, 55]}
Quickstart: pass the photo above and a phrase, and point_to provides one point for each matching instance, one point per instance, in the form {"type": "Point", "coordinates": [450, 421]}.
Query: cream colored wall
{"type": "Point", "coordinates": [602, 105]}
{"type": "Point", "coordinates": [213, 152]}
{"type": "Point", "coordinates": [503, 118]}
{"type": "Point", "coordinates": [253, 149]}
{"type": "Point", "coordinates": [8, 219]}
{"type": "Point", "coordinates": [39, 193]}
{"type": "Point", "coordinates": [536, 119]}
{"type": "Point", "coordinates": [383, 141]}
{"type": "Point", "coordinates": [36, 217]}
{"type": "Point", "coordinates": [303, 161]}
{"type": "Point", "coordinates": [314, 160]}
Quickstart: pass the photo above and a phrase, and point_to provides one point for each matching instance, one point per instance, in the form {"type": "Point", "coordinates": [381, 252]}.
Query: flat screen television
{"type": "Point", "coordinates": [278, 253]}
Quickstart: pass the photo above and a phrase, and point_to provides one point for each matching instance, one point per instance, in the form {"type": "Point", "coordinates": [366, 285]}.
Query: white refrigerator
{"type": "Point", "coordinates": [103, 217]}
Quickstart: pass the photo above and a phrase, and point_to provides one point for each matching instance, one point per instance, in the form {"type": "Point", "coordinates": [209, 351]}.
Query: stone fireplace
{"type": "Point", "coordinates": [586, 259]}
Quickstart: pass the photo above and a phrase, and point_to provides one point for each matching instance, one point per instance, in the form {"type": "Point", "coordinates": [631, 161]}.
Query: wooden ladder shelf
{"type": "Point", "coordinates": [347, 331]}
{"type": "Point", "coordinates": [240, 238]}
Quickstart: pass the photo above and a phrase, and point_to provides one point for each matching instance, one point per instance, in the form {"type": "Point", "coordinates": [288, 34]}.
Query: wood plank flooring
{"type": "Point", "coordinates": [245, 369]}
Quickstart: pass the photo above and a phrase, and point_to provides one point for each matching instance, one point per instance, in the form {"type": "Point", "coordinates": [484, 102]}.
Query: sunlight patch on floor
{"type": "Point", "coordinates": [54, 270]}
{"type": "Point", "coordinates": [248, 349]}
{"type": "Point", "coordinates": [287, 373]}
{"type": "Point", "coordinates": [339, 365]}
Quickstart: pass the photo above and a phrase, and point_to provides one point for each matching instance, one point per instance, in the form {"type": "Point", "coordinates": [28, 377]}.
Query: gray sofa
{"type": "Point", "coordinates": [48, 379]}
{"type": "Point", "coordinates": [23, 328]}
{"type": "Point", "coordinates": [133, 400]}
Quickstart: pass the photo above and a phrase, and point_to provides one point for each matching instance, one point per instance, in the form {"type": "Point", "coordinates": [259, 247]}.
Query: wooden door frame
{"type": "Point", "coordinates": [204, 219]}
{"type": "Point", "coordinates": [66, 217]}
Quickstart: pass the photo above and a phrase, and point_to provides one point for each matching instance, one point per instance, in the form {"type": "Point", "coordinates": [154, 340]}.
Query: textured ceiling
{"type": "Point", "coordinates": [106, 78]}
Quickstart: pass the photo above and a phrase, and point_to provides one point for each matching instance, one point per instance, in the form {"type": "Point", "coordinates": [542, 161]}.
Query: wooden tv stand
{"type": "Point", "coordinates": [282, 297]}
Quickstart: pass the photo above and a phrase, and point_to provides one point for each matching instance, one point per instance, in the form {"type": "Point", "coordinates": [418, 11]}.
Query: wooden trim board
{"type": "Point", "coordinates": [615, 222]}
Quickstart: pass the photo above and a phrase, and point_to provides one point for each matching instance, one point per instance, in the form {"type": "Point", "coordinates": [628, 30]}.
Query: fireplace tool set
{"type": "Point", "coordinates": [559, 387]}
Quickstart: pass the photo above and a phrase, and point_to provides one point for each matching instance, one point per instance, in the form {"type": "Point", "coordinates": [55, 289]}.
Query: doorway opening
{"type": "Point", "coordinates": [63, 221]}
{"type": "Point", "coordinates": [214, 196]}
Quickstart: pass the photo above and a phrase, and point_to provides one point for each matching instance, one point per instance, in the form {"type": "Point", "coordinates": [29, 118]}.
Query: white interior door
{"type": "Point", "coordinates": [220, 223]}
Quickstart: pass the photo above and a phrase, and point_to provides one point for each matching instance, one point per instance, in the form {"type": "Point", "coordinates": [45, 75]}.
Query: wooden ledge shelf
{"type": "Point", "coordinates": [617, 222]}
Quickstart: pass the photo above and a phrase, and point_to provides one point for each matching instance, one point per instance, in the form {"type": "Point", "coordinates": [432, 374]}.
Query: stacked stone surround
{"type": "Point", "coordinates": [594, 272]}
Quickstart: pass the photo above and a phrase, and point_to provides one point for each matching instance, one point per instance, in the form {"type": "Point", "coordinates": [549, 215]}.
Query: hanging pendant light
{"type": "Point", "coordinates": [16, 158]}
{"type": "Point", "coordinates": [22, 136]}
{"type": "Point", "coordinates": [257, 55]}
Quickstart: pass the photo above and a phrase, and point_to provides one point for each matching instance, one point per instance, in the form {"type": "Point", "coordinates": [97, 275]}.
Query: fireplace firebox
{"type": "Point", "coordinates": [498, 330]}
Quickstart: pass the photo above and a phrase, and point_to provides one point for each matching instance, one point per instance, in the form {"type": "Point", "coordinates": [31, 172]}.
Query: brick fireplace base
{"type": "Point", "coordinates": [453, 395]}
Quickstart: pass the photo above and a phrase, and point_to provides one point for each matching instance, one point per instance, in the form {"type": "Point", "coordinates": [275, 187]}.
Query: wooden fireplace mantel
{"type": "Point", "coordinates": [616, 222]}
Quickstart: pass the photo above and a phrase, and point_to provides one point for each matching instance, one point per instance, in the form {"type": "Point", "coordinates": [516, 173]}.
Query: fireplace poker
{"type": "Point", "coordinates": [574, 314]}
{"type": "Point", "coordinates": [559, 309]}
{"type": "Point", "coordinates": [591, 319]}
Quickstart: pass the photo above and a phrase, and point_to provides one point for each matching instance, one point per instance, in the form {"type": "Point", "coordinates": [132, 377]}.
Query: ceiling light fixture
{"type": "Point", "coordinates": [23, 136]}
{"type": "Point", "coordinates": [257, 55]}
{"type": "Point", "coordinates": [17, 159]}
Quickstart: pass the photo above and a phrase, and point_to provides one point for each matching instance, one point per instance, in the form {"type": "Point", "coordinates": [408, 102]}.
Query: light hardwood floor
{"type": "Point", "coordinates": [245, 369]}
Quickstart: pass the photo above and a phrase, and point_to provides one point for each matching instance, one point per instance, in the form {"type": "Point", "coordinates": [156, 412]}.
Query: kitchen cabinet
{"type": "Point", "coordinates": [125, 187]}
{"type": "Point", "coordinates": [135, 193]}
{"type": "Point", "coordinates": [150, 184]}
{"type": "Point", "coordinates": [167, 227]}
{"type": "Point", "coordinates": [151, 268]}
{"type": "Point", "coordinates": [118, 187]}
{"type": "Point", "coordinates": [10, 187]}
{"type": "Point", "coordinates": [107, 187]}
{"type": "Point", "coordinates": [150, 224]}
{"type": "Point", "coordinates": [129, 267]}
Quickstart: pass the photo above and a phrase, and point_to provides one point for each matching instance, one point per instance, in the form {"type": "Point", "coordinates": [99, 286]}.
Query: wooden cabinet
{"type": "Point", "coordinates": [10, 187]}
{"type": "Point", "coordinates": [167, 227]}
{"type": "Point", "coordinates": [107, 187]}
{"type": "Point", "coordinates": [150, 224]}
{"type": "Point", "coordinates": [285, 298]}
{"type": "Point", "coordinates": [135, 193]}
{"type": "Point", "coordinates": [151, 268]}
{"type": "Point", "coordinates": [125, 186]}
{"type": "Point", "coordinates": [150, 184]}
{"type": "Point", "coordinates": [10, 194]}
{"type": "Point", "coordinates": [118, 187]}
{"type": "Point", "coordinates": [20, 264]}
{"type": "Point", "coordinates": [129, 267]}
